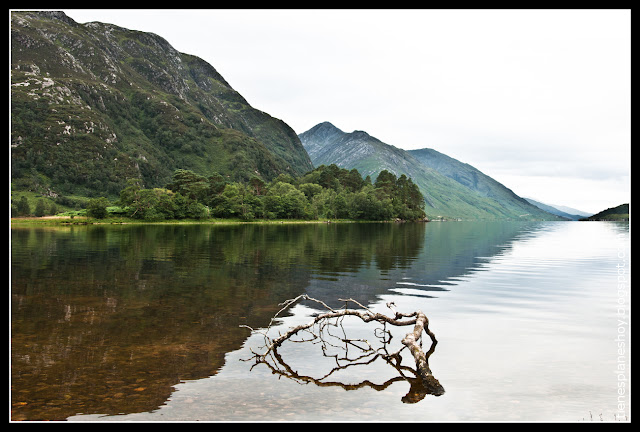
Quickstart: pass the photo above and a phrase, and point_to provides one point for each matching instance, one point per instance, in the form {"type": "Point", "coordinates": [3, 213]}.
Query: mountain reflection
{"type": "Point", "coordinates": [107, 319]}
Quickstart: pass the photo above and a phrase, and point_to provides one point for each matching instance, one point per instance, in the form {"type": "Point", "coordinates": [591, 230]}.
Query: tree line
{"type": "Point", "coordinates": [327, 192]}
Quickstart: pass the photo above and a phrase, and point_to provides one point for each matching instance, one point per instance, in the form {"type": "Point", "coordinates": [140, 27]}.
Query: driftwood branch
{"type": "Point", "coordinates": [318, 330]}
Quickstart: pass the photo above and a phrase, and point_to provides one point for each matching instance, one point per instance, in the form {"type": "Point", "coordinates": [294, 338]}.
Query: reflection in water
{"type": "Point", "coordinates": [425, 260]}
{"type": "Point", "coordinates": [419, 388]}
{"type": "Point", "coordinates": [342, 351]}
{"type": "Point", "coordinates": [108, 319]}
{"type": "Point", "coordinates": [525, 335]}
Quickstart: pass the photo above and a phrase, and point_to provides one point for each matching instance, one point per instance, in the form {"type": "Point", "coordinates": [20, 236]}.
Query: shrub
{"type": "Point", "coordinates": [97, 207]}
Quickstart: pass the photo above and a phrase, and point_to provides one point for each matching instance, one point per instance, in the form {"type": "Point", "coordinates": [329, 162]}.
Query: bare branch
{"type": "Point", "coordinates": [365, 353]}
{"type": "Point", "coordinates": [411, 342]}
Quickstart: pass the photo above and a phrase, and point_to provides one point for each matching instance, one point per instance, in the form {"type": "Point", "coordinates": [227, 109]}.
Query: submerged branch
{"type": "Point", "coordinates": [428, 383]}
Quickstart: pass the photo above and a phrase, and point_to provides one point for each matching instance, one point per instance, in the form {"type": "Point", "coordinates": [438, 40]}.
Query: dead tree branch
{"type": "Point", "coordinates": [366, 353]}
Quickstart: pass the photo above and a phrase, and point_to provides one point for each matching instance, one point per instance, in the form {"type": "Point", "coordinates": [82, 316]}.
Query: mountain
{"type": "Point", "coordinates": [618, 213]}
{"type": "Point", "coordinates": [326, 144]}
{"type": "Point", "coordinates": [575, 215]}
{"type": "Point", "coordinates": [452, 190]}
{"type": "Point", "coordinates": [95, 104]}
{"type": "Point", "coordinates": [570, 210]}
{"type": "Point", "coordinates": [473, 179]}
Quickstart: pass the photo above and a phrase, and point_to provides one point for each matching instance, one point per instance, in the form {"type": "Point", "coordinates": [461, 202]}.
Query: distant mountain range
{"type": "Point", "coordinates": [452, 189]}
{"type": "Point", "coordinates": [562, 211]}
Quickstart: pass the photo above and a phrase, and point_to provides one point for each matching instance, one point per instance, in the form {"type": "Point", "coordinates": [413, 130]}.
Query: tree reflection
{"type": "Point", "coordinates": [107, 319]}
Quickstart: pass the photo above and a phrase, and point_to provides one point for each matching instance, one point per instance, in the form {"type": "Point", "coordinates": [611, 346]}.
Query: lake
{"type": "Point", "coordinates": [146, 322]}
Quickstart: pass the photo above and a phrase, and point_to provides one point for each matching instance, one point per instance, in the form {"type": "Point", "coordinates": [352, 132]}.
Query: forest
{"type": "Point", "coordinates": [327, 192]}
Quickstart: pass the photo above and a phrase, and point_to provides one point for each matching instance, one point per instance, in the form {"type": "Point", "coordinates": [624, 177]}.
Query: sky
{"type": "Point", "coordinates": [538, 99]}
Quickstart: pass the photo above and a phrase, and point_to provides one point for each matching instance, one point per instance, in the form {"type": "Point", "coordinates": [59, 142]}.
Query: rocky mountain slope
{"type": "Point", "coordinates": [451, 188]}
{"type": "Point", "coordinates": [95, 104]}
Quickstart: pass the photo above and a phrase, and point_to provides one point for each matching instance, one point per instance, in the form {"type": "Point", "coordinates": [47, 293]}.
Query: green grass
{"type": "Point", "coordinates": [80, 218]}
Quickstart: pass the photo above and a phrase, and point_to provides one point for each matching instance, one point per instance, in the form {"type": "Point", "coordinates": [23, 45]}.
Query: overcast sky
{"type": "Point", "coordinates": [540, 100]}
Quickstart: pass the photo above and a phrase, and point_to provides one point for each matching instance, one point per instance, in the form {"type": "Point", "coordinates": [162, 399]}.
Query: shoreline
{"type": "Point", "coordinates": [84, 220]}
{"type": "Point", "coordinates": [68, 221]}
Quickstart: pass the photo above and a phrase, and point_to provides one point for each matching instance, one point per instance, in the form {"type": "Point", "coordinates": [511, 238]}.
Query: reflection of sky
{"type": "Point", "coordinates": [528, 336]}
{"type": "Point", "coordinates": [531, 334]}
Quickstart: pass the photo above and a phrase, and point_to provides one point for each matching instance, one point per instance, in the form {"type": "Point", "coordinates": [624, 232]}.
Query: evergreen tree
{"type": "Point", "coordinates": [23, 206]}
{"type": "Point", "coordinates": [189, 184]}
{"type": "Point", "coordinates": [41, 208]}
{"type": "Point", "coordinates": [326, 192]}
{"type": "Point", "coordinates": [385, 183]}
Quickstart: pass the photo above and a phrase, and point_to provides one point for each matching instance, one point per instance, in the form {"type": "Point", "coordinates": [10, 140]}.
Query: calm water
{"type": "Point", "coordinates": [143, 323]}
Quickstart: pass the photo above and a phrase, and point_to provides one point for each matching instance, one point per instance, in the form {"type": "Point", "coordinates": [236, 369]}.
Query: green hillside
{"type": "Point", "coordinates": [94, 104]}
{"type": "Point", "coordinates": [477, 181]}
{"type": "Point", "coordinates": [618, 213]}
{"type": "Point", "coordinates": [441, 182]}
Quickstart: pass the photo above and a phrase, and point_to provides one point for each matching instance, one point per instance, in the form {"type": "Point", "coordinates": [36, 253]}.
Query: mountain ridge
{"type": "Point", "coordinates": [95, 104]}
{"type": "Point", "coordinates": [555, 210]}
{"type": "Point", "coordinates": [464, 174]}
{"type": "Point", "coordinates": [446, 196]}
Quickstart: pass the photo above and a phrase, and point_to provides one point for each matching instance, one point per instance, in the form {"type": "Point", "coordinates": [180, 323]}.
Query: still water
{"type": "Point", "coordinates": [144, 323]}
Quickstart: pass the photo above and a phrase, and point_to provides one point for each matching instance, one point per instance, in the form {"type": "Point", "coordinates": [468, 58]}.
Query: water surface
{"type": "Point", "coordinates": [143, 322]}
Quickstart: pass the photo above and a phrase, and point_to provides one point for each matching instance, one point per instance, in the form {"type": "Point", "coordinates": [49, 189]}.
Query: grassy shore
{"type": "Point", "coordinates": [84, 220]}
